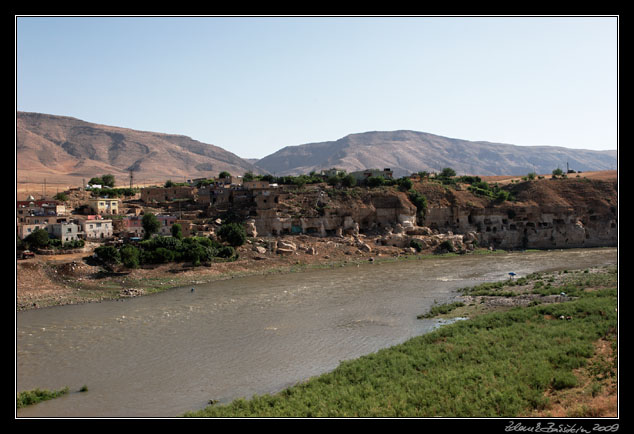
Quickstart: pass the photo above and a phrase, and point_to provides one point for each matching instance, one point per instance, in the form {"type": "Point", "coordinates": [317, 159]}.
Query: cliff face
{"type": "Point", "coordinates": [545, 214]}
{"type": "Point", "coordinates": [549, 213]}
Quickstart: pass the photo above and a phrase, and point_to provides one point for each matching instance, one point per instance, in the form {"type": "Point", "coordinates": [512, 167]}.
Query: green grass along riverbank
{"type": "Point", "coordinates": [509, 363]}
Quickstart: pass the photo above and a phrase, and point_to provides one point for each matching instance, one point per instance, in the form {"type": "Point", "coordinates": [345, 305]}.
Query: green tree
{"type": "Point", "coordinates": [419, 201]}
{"type": "Point", "coordinates": [38, 238]}
{"type": "Point", "coordinates": [375, 181]}
{"type": "Point", "coordinates": [130, 256]}
{"type": "Point", "coordinates": [233, 233]}
{"type": "Point", "coordinates": [108, 180]}
{"type": "Point", "coordinates": [447, 173]}
{"type": "Point", "coordinates": [150, 225]}
{"type": "Point", "coordinates": [224, 174]}
{"type": "Point", "coordinates": [405, 184]}
{"type": "Point", "coordinates": [177, 231]}
{"type": "Point", "coordinates": [108, 254]}
{"type": "Point", "coordinates": [349, 181]}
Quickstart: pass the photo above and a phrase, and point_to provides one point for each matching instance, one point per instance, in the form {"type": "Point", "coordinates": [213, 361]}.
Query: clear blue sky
{"type": "Point", "coordinates": [253, 85]}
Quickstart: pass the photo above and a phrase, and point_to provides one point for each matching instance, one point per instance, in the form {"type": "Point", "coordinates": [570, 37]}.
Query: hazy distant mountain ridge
{"type": "Point", "coordinates": [50, 146]}
{"type": "Point", "coordinates": [407, 151]}
{"type": "Point", "coordinates": [59, 145]}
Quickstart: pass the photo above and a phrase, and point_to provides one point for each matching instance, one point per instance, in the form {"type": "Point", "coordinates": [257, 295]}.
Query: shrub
{"type": "Point", "coordinates": [419, 201]}
{"type": "Point", "coordinates": [196, 253]}
{"type": "Point", "coordinates": [233, 233]}
{"type": "Point", "coordinates": [108, 254]}
{"type": "Point", "coordinates": [130, 256]}
{"type": "Point", "coordinates": [446, 245]}
{"type": "Point", "coordinates": [348, 181]}
{"type": "Point", "coordinates": [227, 252]}
{"type": "Point", "coordinates": [31, 397]}
{"type": "Point", "coordinates": [37, 238]}
{"type": "Point", "coordinates": [417, 244]}
{"type": "Point", "coordinates": [564, 380]}
{"type": "Point", "coordinates": [375, 181]}
{"type": "Point", "coordinates": [405, 184]}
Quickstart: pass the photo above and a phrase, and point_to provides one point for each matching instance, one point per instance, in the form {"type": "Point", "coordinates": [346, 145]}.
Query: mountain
{"type": "Point", "coordinates": [59, 147]}
{"type": "Point", "coordinates": [406, 152]}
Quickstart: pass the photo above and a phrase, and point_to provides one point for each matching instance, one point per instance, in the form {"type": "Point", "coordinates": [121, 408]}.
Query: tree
{"type": "Point", "coordinates": [177, 231]}
{"type": "Point", "coordinates": [447, 173]}
{"type": "Point", "coordinates": [405, 184]}
{"type": "Point", "coordinates": [150, 225]}
{"type": "Point", "coordinates": [375, 181]}
{"type": "Point", "coordinates": [558, 172]}
{"type": "Point", "coordinates": [61, 197]}
{"type": "Point", "coordinates": [130, 256]}
{"type": "Point", "coordinates": [108, 180]}
{"type": "Point", "coordinates": [108, 254]}
{"type": "Point", "coordinates": [233, 233]}
{"type": "Point", "coordinates": [224, 174]}
{"type": "Point", "coordinates": [37, 238]}
{"type": "Point", "coordinates": [349, 181]}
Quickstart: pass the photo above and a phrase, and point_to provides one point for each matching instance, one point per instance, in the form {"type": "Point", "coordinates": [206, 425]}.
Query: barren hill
{"type": "Point", "coordinates": [65, 148]}
{"type": "Point", "coordinates": [406, 152]}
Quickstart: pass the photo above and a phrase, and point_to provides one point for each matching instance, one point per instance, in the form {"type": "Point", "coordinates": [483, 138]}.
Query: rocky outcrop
{"type": "Point", "coordinates": [546, 214]}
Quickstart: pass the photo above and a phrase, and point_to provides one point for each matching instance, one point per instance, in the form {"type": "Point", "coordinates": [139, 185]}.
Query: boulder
{"type": "Point", "coordinates": [251, 229]}
{"type": "Point", "coordinates": [364, 247]}
{"type": "Point", "coordinates": [261, 250]}
{"type": "Point", "coordinates": [287, 245]}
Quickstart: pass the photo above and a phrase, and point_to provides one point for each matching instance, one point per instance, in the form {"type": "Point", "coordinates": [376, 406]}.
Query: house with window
{"type": "Point", "coordinates": [96, 228]}
{"type": "Point", "coordinates": [362, 175]}
{"type": "Point", "coordinates": [24, 230]}
{"type": "Point", "coordinates": [64, 231]}
{"type": "Point", "coordinates": [104, 206]}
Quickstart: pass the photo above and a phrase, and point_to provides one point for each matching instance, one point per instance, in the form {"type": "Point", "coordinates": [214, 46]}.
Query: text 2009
{"type": "Point", "coordinates": [606, 428]}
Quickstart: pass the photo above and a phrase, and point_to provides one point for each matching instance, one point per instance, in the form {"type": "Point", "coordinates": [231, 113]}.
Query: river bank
{"type": "Point", "coordinates": [55, 280]}
{"type": "Point", "coordinates": [551, 358]}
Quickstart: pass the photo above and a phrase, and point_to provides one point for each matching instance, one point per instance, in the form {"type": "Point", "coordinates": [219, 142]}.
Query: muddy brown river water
{"type": "Point", "coordinates": [164, 354]}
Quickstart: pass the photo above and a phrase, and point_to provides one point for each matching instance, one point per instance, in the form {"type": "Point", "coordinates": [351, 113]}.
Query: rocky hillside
{"type": "Point", "coordinates": [57, 146]}
{"type": "Point", "coordinates": [543, 213]}
{"type": "Point", "coordinates": [406, 152]}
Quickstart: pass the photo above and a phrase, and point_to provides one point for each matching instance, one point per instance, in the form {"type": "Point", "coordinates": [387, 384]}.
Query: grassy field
{"type": "Point", "coordinates": [520, 361]}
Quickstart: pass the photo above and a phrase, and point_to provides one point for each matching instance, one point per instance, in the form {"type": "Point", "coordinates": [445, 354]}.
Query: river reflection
{"type": "Point", "coordinates": [164, 354]}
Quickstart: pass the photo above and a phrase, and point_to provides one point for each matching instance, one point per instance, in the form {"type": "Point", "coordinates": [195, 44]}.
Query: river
{"type": "Point", "coordinates": [164, 354]}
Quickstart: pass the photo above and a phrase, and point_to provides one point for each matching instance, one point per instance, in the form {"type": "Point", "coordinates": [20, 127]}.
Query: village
{"type": "Point", "coordinates": [195, 206]}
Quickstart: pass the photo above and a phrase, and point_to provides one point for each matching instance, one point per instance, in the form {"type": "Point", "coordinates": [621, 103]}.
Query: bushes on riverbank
{"type": "Point", "coordinates": [502, 364]}
{"type": "Point", "coordinates": [31, 397]}
{"type": "Point", "coordinates": [162, 250]}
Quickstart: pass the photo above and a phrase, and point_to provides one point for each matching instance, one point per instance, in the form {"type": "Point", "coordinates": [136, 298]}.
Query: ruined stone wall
{"type": "Point", "coordinates": [546, 215]}
{"type": "Point", "coordinates": [519, 227]}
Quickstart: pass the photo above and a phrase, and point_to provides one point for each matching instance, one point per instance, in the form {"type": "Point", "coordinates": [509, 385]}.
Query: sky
{"type": "Point", "coordinates": [253, 85]}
